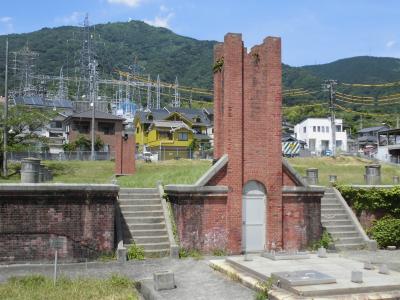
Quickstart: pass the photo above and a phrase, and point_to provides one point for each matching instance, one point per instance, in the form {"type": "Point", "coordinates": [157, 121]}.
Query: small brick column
{"type": "Point", "coordinates": [125, 153]}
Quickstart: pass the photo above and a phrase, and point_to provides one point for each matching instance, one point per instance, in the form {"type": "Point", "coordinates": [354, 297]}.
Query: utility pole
{"type": "Point", "coordinates": [177, 100]}
{"type": "Point", "coordinates": [93, 99]}
{"type": "Point", "coordinates": [330, 86]}
{"type": "Point", "coordinates": [148, 92]}
{"type": "Point", "coordinates": [5, 127]}
{"type": "Point", "coordinates": [158, 101]}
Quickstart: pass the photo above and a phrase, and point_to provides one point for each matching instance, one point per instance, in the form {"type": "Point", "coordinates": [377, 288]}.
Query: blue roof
{"type": "Point", "coordinates": [42, 102]}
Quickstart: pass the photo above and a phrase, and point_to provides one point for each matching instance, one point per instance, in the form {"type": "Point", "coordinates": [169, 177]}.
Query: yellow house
{"type": "Point", "coordinates": [171, 133]}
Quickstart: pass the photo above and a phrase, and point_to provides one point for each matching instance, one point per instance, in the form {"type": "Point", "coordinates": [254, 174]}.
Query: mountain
{"type": "Point", "coordinates": [161, 51]}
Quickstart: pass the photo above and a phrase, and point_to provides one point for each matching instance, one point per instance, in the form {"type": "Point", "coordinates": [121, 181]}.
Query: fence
{"type": "Point", "coordinates": [176, 153]}
{"type": "Point", "coordinates": [72, 155]}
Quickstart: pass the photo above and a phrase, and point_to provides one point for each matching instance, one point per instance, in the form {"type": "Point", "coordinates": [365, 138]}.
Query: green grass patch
{"type": "Point", "coordinates": [169, 172]}
{"type": "Point", "coordinates": [349, 170]}
{"type": "Point", "coordinates": [38, 287]}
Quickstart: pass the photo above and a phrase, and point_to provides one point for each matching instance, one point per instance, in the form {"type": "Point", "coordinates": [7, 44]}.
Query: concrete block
{"type": "Point", "coordinates": [121, 255]}
{"type": "Point", "coordinates": [383, 269]}
{"type": "Point", "coordinates": [174, 252]}
{"type": "Point", "coordinates": [368, 266]}
{"type": "Point", "coordinates": [322, 252]}
{"type": "Point", "coordinates": [247, 257]}
{"type": "Point", "coordinates": [372, 245]}
{"type": "Point", "coordinates": [164, 280]}
{"type": "Point", "coordinates": [356, 276]}
{"type": "Point", "coordinates": [391, 247]}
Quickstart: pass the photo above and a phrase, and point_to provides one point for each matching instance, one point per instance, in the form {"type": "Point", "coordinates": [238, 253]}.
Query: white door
{"type": "Point", "coordinates": [254, 212]}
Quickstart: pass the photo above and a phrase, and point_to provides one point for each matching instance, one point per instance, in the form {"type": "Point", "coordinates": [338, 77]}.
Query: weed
{"type": "Point", "coordinates": [263, 288]}
{"type": "Point", "coordinates": [219, 252]}
{"type": "Point", "coordinates": [194, 253]}
{"type": "Point", "coordinates": [135, 252]}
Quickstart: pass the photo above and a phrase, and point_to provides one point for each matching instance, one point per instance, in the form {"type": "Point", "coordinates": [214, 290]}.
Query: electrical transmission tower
{"type": "Point", "coordinates": [87, 55]}
{"type": "Point", "coordinates": [329, 86]}
{"type": "Point", "coordinates": [62, 92]}
{"type": "Point", "coordinates": [149, 106]}
{"type": "Point", "coordinates": [177, 97]}
{"type": "Point", "coordinates": [24, 64]}
{"type": "Point", "coordinates": [158, 88]}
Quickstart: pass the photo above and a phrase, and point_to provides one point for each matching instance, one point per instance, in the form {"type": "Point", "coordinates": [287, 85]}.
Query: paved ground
{"type": "Point", "coordinates": [194, 278]}
{"type": "Point", "coordinates": [390, 258]}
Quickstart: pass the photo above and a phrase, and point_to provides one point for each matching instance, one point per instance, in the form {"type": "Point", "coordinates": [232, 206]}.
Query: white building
{"type": "Point", "coordinates": [317, 133]}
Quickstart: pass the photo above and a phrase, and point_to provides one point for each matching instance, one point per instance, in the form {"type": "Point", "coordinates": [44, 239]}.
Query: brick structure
{"type": "Point", "coordinates": [247, 132]}
{"type": "Point", "coordinates": [125, 153]}
{"type": "Point", "coordinates": [80, 216]}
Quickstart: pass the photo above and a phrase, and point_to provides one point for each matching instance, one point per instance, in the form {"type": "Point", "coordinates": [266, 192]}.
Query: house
{"type": "Point", "coordinates": [388, 147]}
{"type": "Point", "coordinates": [317, 134]}
{"type": "Point", "coordinates": [367, 139]}
{"type": "Point", "coordinates": [107, 126]}
{"type": "Point", "coordinates": [172, 132]}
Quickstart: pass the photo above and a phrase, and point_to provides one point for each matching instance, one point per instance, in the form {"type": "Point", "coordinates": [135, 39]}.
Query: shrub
{"type": "Point", "coordinates": [386, 231]}
{"type": "Point", "coordinates": [373, 199]}
{"type": "Point", "coordinates": [325, 241]}
{"type": "Point", "coordinates": [135, 252]}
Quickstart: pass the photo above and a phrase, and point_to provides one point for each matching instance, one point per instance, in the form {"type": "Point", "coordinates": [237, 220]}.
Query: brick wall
{"type": "Point", "coordinates": [301, 219]}
{"type": "Point", "coordinates": [201, 221]}
{"type": "Point", "coordinates": [83, 219]}
{"type": "Point", "coordinates": [125, 154]}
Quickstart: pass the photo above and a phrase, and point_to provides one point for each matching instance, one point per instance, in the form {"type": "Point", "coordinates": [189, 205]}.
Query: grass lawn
{"type": "Point", "coordinates": [38, 287]}
{"type": "Point", "coordinates": [147, 174]}
{"type": "Point", "coordinates": [349, 170]}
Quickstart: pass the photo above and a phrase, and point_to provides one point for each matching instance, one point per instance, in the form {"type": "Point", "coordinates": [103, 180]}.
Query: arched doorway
{"type": "Point", "coordinates": [254, 216]}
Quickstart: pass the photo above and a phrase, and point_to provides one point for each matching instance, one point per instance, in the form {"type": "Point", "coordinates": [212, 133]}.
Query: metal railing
{"type": "Point", "coordinates": [70, 155]}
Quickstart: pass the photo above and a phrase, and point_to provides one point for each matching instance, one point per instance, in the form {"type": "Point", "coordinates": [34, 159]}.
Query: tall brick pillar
{"type": "Point", "coordinates": [247, 116]}
{"type": "Point", "coordinates": [125, 153]}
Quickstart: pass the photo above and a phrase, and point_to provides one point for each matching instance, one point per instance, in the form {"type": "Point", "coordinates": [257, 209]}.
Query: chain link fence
{"type": "Point", "coordinates": [71, 155]}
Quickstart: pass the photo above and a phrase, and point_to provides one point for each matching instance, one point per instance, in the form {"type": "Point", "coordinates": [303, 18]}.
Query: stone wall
{"type": "Point", "coordinates": [81, 217]}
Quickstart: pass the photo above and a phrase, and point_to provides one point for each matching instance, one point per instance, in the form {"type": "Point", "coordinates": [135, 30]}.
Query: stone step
{"type": "Point", "coordinates": [148, 239]}
{"type": "Point", "coordinates": [329, 200]}
{"type": "Point", "coordinates": [144, 220]}
{"type": "Point", "coordinates": [154, 246]}
{"type": "Point", "coordinates": [349, 240]}
{"type": "Point", "coordinates": [329, 217]}
{"type": "Point", "coordinates": [124, 196]}
{"type": "Point", "coordinates": [343, 247]}
{"type": "Point", "coordinates": [339, 228]}
{"type": "Point", "coordinates": [332, 211]}
{"type": "Point", "coordinates": [336, 222]}
{"type": "Point", "coordinates": [146, 226]}
{"type": "Point", "coordinates": [154, 253]}
{"type": "Point", "coordinates": [147, 233]}
{"type": "Point", "coordinates": [331, 206]}
{"type": "Point", "coordinates": [139, 190]}
{"type": "Point", "coordinates": [148, 213]}
{"type": "Point", "coordinates": [139, 202]}
{"type": "Point", "coordinates": [340, 234]}
{"type": "Point", "coordinates": [125, 208]}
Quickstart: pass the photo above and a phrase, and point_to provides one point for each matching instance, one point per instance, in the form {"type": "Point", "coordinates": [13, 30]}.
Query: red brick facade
{"type": "Point", "coordinates": [125, 154]}
{"type": "Point", "coordinates": [247, 127]}
{"type": "Point", "coordinates": [83, 220]}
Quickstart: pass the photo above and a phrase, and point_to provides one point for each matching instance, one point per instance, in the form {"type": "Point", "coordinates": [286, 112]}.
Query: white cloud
{"type": "Point", "coordinates": [73, 19]}
{"type": "Point", "coordinates": [130, 3]}
{"type": "Point", "coordinates": [390, 44]}
{"type": "Point", "coordinates": [163, 18]}
{"type": "Point", "coordinates": [6, 25]}
{"type": "Point", "coordinates": [5, 19]}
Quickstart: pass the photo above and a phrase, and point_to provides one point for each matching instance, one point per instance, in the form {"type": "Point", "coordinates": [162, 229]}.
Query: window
{"type": "Point", "coordinates": [165, 135]}
{"type": "Point", "coordinates": [81, 127]}
{"type": "Point", "coordinates": [339, 144]}
{"type": "Point", "coordinates": [55, 134]}
{"type": "Point", "coordinates": [137, 129]}
{"type": "Point", "coordinates": [55, 124]}
{"type": "Point", "coordinates": [182, 136]}
{"type": "Point", "coordinates": [314, 128]}
{"type": "Point", "coordinates": [338, 128]}
{"type": "Point", "coordinates": [327, 129]}
{"type": "Point", "coordinates": [304, 129]}
{"type": "Point", "coordinates": [319, 128]}
{"type": "Point", "coordinates": [106, 128]}
{"type": "Point", "coordinates": [323, 128]}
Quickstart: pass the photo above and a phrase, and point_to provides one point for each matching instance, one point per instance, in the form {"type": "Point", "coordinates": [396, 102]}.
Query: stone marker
{"type": "Point", "coordinates": [312, 175]}
{"type": "Point", "coordinates": [383, 269]}
{"type": "Point", "coordinates": [322, 252]}
{"type": "Point", "coordinates": [164, 280]}
{"type": "Point", "coordinates": [368, 266]}
{"type": "Point", "coordinates": [332, 179]}
{"type": "Point", "coordinates": [30, 170]}
{"type": "Point", "coordinates": [121, 254]}
{"type": "Point", "coordinates": [356, 276]}
{"type": "Point", "coordinates": [391, 247]}
{"type": "Point", "coordinates": [372, 174]}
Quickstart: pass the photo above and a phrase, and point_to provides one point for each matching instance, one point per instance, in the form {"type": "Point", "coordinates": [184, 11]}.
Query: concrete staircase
{"type": "Point", "coordinates": [143, 221]}
{"type": "Point", "coordinates": [336, 218]}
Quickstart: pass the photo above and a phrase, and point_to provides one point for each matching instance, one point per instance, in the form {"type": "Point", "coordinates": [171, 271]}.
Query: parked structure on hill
{"type": "Point", "coordinates": [316, 132]}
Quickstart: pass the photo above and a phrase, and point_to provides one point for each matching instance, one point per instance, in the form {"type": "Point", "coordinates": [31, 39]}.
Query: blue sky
{"type": "Point", "coordinates": [312, 31]}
